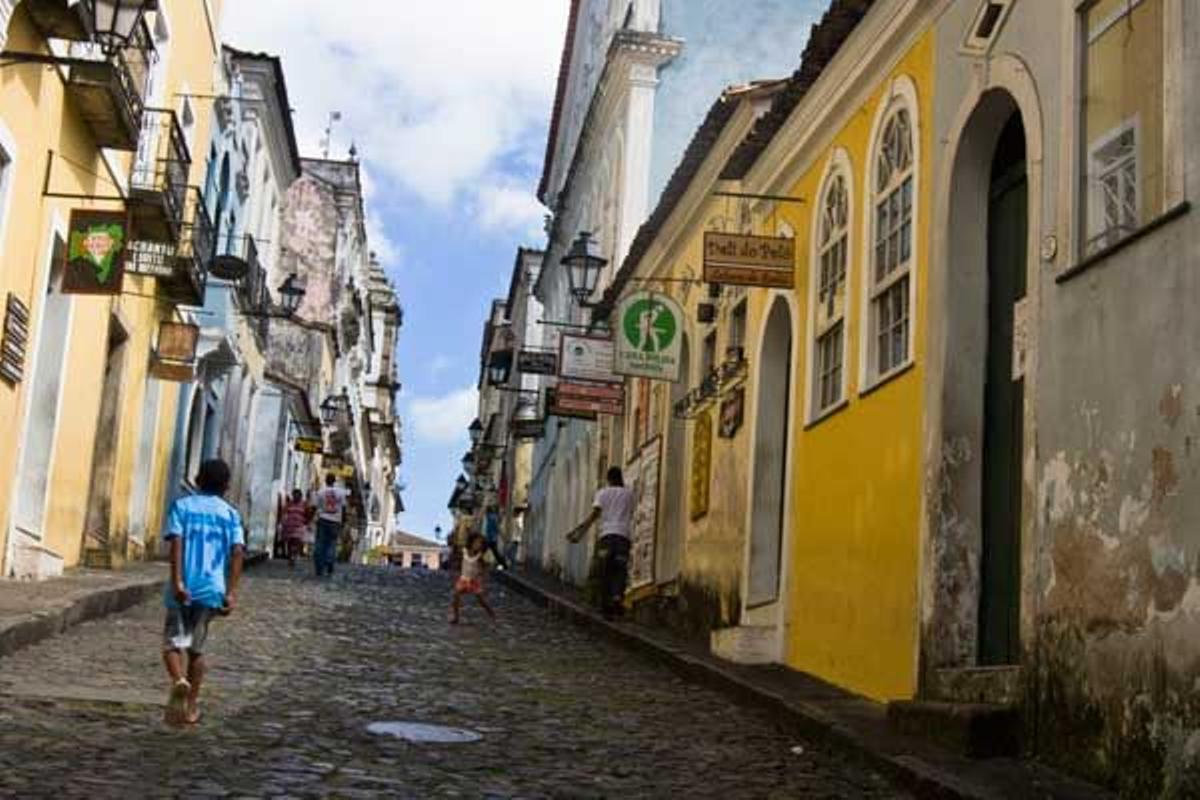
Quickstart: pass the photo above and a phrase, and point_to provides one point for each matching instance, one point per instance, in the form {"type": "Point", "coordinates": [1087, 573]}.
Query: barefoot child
{"type": "Point", "coordinates": [206, 538]}
{"type": "Point", "coordinates": [470, 580]}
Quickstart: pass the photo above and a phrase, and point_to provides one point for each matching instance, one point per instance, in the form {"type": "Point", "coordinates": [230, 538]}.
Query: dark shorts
{"type": "Point", "coordinates": [187, 628]}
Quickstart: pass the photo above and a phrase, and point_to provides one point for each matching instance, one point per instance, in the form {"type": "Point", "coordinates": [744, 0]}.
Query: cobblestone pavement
{"type": "Point", "coordinates": [301, 670]}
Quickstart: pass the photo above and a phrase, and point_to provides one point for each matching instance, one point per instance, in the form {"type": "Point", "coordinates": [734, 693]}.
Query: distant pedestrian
{"type": "Point", "coordinates": [614, 507]}
{"type": "Point", "coordinates": [207, 541]}
{"type": "Point", "coordinates": [293, 524]}
{"type": "Point", "coordinates": [491, 534]}
{"type": "Point", "coordinates": [331, 512]}
{"type": "Point", "coordinates": [470, 580]}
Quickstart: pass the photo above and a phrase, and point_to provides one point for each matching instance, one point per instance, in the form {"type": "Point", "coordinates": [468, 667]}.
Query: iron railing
{"type": "Point", "coordinates": [163, 162]}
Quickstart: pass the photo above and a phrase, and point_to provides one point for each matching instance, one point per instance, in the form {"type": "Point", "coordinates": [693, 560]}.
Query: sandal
{"type": "Point", "coordinates": [176, 712]}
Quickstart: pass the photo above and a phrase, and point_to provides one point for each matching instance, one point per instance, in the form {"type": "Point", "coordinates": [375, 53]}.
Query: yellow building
{"type": "Point", "coordinates": [797, 537]}
{"type": "Point", "coordinates": [86, 429]}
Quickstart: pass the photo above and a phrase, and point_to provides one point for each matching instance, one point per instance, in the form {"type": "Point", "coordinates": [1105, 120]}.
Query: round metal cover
{"type": "Point", "coordinates": [422, 733]}
{"type": "Point", "coordinates": [229, 268]}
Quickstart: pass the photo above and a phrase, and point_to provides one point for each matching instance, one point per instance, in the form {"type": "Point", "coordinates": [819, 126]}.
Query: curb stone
{"type": "Point", "coordinates": [907, 771]}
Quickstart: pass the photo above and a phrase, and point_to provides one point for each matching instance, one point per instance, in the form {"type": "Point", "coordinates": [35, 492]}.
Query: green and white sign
{"type": "Point", "coordinates": [649, 337]}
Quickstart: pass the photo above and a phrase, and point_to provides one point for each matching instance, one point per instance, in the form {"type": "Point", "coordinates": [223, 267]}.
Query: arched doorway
{"type": "Point", "coordinates": [770, 458]}
{"type": "Point", "coordinates": [675, 517]}
{"type": "Point", "coordinates": [977, 550]}
{"type": "Point", "coordinates": [1003, 402]}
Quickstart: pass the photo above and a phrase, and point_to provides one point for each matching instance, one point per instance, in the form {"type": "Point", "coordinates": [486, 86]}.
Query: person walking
{"type": "Point", "coordinates": [613, 507]}
{"type": "Point", "coordinates": [292, 525]}
{"type": "Point", "coordinates": [207, 541]}
{"type": "Point", "coordinates": [470, 579]}
{"type": "Point", "coordinates": [491, 534]}
{"type": "Point", "coordinates": [331, 512]}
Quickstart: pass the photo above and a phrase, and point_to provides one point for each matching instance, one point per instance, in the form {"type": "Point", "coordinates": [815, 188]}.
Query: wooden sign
{"type": "Point", "coordinates": [643, 475]}
{"type": "Point", "coordinates": [95, 260]}
{"type": "Point", "coordinates": [733, 413]}
{"type": "Point", "coordinates": [311, 445]}
{"type": "Point", "coordinates": [15, 340]}
{"type": "Point", "coordinates": [537, 362]}
{"type": "Point", "coordinates": [528, 428]}
{"type": "Point", "coordinates": [596, 398]}
{"type": "Point", "coordinates": [177, 341]}
{"type": "Point", "coordinates": [701, 465]}
{"type": "Point", "coordinates": [172, 371]}
{"type": "Point", "coordinates": [768, 261]}
{"type": "Point", "coordinates": [555, 410]}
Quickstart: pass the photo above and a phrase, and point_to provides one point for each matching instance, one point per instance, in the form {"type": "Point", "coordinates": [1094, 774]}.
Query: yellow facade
{"type": "Point", "coordinates": [857, 474]}
{"type": "Point", "coordinates": [37, 118]}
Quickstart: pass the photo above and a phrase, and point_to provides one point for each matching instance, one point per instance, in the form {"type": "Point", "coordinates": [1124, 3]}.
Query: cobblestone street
{"type": "Point", "coordinates": [303, 668]}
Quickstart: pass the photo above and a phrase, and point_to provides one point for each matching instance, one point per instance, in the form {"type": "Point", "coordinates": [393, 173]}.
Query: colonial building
{"type": "Point", "coordinates": [109, 128]}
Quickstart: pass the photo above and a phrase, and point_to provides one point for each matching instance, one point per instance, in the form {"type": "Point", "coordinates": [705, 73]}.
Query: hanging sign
{"type": "Point", "coordinates": [554, 409]}
{"type": "Point", "coordinates": [310, 444]}
{"type": "Point", "coordinates": [701, 465]}
{"type": "Point", "coordinates": [528, 428]}
{"type": "Point", "coordinates": [733, 258]}
{"type": "Point", "coordinates": [537, 362]}
{"type": "Point", "coordinates": [643, 473]}
{"type": "Point", "coordinates": [14, 341]}
{"type": "Point", "coordinates": [597, 398]}
{"type": "Point", "coordinates": [172, 371]}
{"type": "Point", "coordinates": [649, 337]}
{"type": "Point", "coordinates": [177, 341]}
{"type": "Point", "coordinates": [586, 358]}
{"type": "Point", "coordinates": [96, 253]}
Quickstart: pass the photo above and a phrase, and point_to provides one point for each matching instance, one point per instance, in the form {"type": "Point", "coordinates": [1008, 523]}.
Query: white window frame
{"type": "Point", "coordinates": [1095, 191]}
{"type": "Point", "coordinates": [901, 94]}
{"type": "Point", "coordinates": [837, 167]}
{"type": "Point", "coordinates": [973, 44]}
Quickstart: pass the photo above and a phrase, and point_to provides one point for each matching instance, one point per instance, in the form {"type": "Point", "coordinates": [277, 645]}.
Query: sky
{"type": "Point", "coordinates": [448, 104]}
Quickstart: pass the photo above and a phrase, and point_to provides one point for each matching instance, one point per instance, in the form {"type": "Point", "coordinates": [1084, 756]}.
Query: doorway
{"type": "Point", "coordinates": [41, 421]}
{"type": "Point", "coordinates": [770, 457]}
{"type": "Point", "coordinates": [104, 454]}
{"type": "Point", "coordinates": [1003, 403]}
{"type": "Point", "coordinates": [675, 517]}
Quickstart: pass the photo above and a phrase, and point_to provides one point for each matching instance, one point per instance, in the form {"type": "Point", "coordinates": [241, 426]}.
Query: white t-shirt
{"type": "Point", "coordinates": [331, 503]}
{"type": "Point", "coordinates": [616, 504]}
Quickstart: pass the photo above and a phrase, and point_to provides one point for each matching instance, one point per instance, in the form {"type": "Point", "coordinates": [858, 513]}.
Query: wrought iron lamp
{"type": "Point", "coordinates": [500, 367]}
{"type": "Point", "coordinates": [584, 263]}
{"type": "Point", "coordinates": [291, 293]}
{"type": "Point", "coordinates": [475, 431]}
{"type": "Point", "coordinates": [115, 21]}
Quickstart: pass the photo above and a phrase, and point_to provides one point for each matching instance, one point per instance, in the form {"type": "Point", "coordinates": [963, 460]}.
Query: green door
{"type": "Point", "coordinates": [1000, 567]}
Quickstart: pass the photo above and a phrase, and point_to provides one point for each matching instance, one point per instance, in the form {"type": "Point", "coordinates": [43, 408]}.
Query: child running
{"type": "Point", "coordinates": [206, 538]}
{"type": "Point", "coordinates": [470, 579]}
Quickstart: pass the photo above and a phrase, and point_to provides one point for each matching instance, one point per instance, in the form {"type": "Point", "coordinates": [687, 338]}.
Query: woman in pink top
{"type": "Point", "coordinates": [293, 523]}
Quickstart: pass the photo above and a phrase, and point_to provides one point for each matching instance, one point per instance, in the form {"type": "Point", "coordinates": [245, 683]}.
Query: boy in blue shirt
{"type": "Point", "coordinates": [206, 538]}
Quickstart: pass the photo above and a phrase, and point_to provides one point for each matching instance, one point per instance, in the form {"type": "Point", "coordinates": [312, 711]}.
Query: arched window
{"type": "Point", "coordinates": [889, 280]}
{"type": "Point", "coordinates": [831, 257]}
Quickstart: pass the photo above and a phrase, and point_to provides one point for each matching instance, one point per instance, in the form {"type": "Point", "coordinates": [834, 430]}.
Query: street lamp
{"type": "Point", "coordinates": [468, 462]}
{"type": "Point", "coordinates": [475, 431]}
{"type": "Point", "coordinates": [291, 293]}
{"type": "Point", "coordinates": [583, 262]}
{"type": "Point", "coordinates": [500, 367]}
{"type": "Point", "coordinates": [114, 21]}
{"type": "Point", "coordinates": [461, 484]}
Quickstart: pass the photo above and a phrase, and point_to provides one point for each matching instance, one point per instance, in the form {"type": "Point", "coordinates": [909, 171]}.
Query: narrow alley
{"type": "Point", "coordinates": [303, 668]}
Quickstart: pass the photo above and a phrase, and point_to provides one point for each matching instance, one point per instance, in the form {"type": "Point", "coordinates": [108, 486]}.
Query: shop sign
{"type": "Point", "coordinates": [733, 413]}
{"type": "Point", "coordinates": [596, 398]}
{"type": "Point", "coordinates": [96, 253]}
{"type": "Point", "coordinates": [528, 428]}
{"type": "Point", "coordinates": [343, 471]}
{"type": "Point", "coordinates": [172, 371]}
{"type": "Point", "coordinates": [643, 476]}
{"type": "Point", "coordinates": [701, 465]}
{"type": "Point", "coordinates": [554, 409]}
{"type": "Point", "coordinates": [649, 337]}
{"type": "Point", "coordinates": [537, 362]}
{"type": "Point", "coordinates": [313, 445]}
{"type": "Point", "coordinates": [14, 341]}
{"type": "Point", "coordinates": [732, 258]}
{"type": "Point", "coordinates": [586, 358]}
{"type": "Point", "coordinates": [177, 341]}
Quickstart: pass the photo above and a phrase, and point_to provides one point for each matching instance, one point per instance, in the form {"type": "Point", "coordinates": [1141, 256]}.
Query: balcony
{"type": "Point", "coordinates": [180, 270]}
{"type": "Point", "coordinates": [109, 94]}
{"type": "Point", "coordinates": [158, 183]}
{"type": "Point", "coordinates": [60, 19]}
{"type": "Point", "coordinates": [253, 295]}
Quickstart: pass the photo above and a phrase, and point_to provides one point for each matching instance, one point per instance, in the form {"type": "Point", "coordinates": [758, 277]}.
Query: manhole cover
{"type": "Point", "coordinates": [419, 732]}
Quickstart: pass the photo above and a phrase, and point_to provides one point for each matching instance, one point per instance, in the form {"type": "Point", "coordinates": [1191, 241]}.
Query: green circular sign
{"type": "Point", "coordinates": [649, 326]}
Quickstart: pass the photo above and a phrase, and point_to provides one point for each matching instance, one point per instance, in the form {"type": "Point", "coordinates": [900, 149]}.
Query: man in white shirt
{"type": "Point", "coordinates": [331, 512]}
{"type": "Point", "coordinates": [614, 506]}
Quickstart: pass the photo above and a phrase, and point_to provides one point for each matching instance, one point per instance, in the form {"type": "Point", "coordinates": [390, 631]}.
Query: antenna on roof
{"type": "Point", "coordinates": [327, 141]}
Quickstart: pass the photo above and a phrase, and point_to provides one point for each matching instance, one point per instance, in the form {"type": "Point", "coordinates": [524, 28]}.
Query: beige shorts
{"type": "Point", "coordinates": [186, 628]}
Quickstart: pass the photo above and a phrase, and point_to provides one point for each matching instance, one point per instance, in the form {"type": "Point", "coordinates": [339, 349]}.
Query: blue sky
{"type": "Point", "coordinates": [448, 104]}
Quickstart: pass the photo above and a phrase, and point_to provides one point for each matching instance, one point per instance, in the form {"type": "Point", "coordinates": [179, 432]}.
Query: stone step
{"type": "Point", "coordinates": [987, 685]}
{"type": "Point", "coordinates": [974, 730]}
{"type": "Point", "coordinates": [98, 558]}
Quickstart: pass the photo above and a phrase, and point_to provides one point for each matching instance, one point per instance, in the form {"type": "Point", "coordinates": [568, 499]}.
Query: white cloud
{"type": "Point", "coordinates": [508, 207]}
{"type": "Point", "coordinates": [440, 364]}
{"type": "Point", "coordinates": [443, 420]}
{"type": "Point", "coordinates": [436, 95]}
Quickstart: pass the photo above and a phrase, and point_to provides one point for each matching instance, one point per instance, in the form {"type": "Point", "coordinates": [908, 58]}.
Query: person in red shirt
{"type": "Point", "coordinates": [293, 522]}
